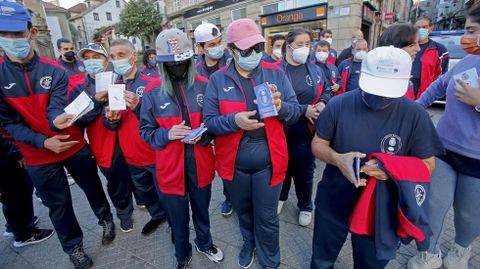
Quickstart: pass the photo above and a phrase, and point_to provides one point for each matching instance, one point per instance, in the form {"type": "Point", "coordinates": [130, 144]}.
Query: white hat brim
{"type": "Point", "coordinates": [385, 87]}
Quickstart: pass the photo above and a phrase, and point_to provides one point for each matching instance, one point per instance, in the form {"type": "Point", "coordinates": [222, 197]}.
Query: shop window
{"type": "Point", "coordinates": [96, 17]}
{"type": "Point", "coordinates": [195, 24]}
{"type": "Point", "coordinates": [239, 13]}
{"type": "Point", "coordinates": [214, 20]}
{"type": "Point", "coordinates": [109, 16]}
{"type": "Point", "coordinates": [275, 7]}
{"type": "Point", "coordinates": [303, 3]}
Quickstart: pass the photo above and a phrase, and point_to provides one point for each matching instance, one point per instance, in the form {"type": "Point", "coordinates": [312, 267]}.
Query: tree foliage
{"type": "Point", "coordinates": [140, 18]}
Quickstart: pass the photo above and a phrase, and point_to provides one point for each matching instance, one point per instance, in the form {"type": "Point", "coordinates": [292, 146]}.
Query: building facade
{"type": "Point", "coordinates": [58, 24]}
{"type": "Point", "coordinates": [279, 16]}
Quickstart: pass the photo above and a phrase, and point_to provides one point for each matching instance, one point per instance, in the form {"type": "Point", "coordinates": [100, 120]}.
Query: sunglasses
{"type": "Point", "coordinates": [259, 47]}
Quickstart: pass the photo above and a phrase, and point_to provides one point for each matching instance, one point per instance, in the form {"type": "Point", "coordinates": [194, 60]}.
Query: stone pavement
{"type": "Point", "coordinates": [133, 250]}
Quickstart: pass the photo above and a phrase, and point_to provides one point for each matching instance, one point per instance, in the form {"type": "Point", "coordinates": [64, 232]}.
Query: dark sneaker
{"type": "Point", "coordinates": [126, 225]}
{"type": "Point", "coordinates": [245, 258]}
{"type": "Point", "coordinates": [151, 226]}
{"type": "Point", "coordinates": [108, 231]}
{"type": "Point", "coordinates": [37, 236]}
{"type": "Point", "coordinates": [9, 233]}
{"type": "Point", "coordinates": [213, 253]}
{"type": "Point", "coordinates": [227, 208]}
{"type": "Point", "coordinates": [182, 265]}
{"type": "Point", "coordinates": [80, 259]}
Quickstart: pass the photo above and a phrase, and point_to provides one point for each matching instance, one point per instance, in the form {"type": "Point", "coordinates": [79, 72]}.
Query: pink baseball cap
{"type": "Point", "coordinates": [244, 33]}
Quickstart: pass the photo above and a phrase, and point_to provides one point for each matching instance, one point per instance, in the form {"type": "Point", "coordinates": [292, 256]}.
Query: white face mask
{"type": "Point", "coordinates": [300, 55]}
{"type": "Point", "coordinates": [359, 55]}
{"type": "Point", "coordinates": [329, 40]}
{"type": "Point", "coordinates": [321, 56]}
{"type": "Point", "coordinates": [277, 53]}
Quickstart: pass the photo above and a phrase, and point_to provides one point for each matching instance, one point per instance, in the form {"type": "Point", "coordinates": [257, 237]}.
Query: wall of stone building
{"type": "Point", "coordinates": [43, 44]}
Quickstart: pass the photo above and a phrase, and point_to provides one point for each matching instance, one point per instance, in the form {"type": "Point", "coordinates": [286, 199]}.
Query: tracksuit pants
{"type": "Point", "coordinates": [52, 185]}
{"type": "Point", "coordinates": [334, 203]}
{"type": "Point", "coordinates": [16, 196]}
{"type": "Point", "coordinates": [119, 184]}
{"type": "Point", "coordinates": [179, 216]}
{"type": "Point", "coordinates": [255, 201]}
{"type": "Point", "coordinates": [143, 180]}
{"type": "Point", "coordinates": [301, 166]}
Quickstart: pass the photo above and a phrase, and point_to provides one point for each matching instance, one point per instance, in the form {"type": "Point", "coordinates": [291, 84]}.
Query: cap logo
{"type": "Point", "coordinates": [387, 65]}
{"type": "Point", "coordinates": [172, 45]}
{"type": "Point", "coordinates": [7, 11]}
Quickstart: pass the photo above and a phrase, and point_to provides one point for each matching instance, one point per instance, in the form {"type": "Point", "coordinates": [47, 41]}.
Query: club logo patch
{"type": "Point", "coordinates": [200, 99]}
{"type": "Point", "coordinates": [81, 69]}
{"type": "Point", "coordinates": [420, 194]}
{"type": "Point", "coordinates": [46, 82]}
{"type": "Point", "coordinates": [139, 91]}
{"type": "Point", "coordinates": [391, 144]}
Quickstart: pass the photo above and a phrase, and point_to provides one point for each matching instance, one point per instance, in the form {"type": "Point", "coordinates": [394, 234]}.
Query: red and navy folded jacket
{"type": "Point", "coordinates": [160, 112]}
{"type": "Point", "coordinates": [32, 95]}
{"type": "Point", "coordinates": [395, 210]}
{"type": "Point", "coordinates": [224, 97]}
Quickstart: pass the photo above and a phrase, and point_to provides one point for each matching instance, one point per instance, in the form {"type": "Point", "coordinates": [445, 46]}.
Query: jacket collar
{"type": "Point", "coordinates": [28, 66]}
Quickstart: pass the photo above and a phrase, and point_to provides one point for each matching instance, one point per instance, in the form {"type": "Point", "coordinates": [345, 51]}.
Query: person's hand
{"type": "Point", "coordinates": [344, 162]}
{"type": "Point", "coordinates": [101, 96]}
{"type": "Point", "coordinates": [179, 131]}
{"type": "Point", "coordinates": [335, 87]}
{"type": "Point", "coordinates": [63, 120]}
{"type": "Point", "coordinates": [56, 144]}
{"type": "Point", "coordinates": [193, 142]}
{"type": "Point", "coordinates": [243, 121]}
{"type": "Point", "coordinates": [371, 169]}
{"type": "Point", "coordinates": [132, 100]}
{"type": "Point", "coordinates": [311, 113]}
{"type": "Point", "coordinates": [112, 115]}
{"type": "Point", "coordinates": [276, 97]}
{"type": "Point", "coordinates": [467, 94]}
{"type": "Point", "coordinates": [21, 163]}
{"type": "Point", "coordinates": [320, 106]}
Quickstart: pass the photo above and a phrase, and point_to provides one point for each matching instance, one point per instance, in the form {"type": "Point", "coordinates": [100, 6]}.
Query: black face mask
{"type": "Point", "coordinates": [375, 102]}
{"type": "Point", "coordinates": [178, 70]}
{"type": "Point", "coordinates": [69, 56]}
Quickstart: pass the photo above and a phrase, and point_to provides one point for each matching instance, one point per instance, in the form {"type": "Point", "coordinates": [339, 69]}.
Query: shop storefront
{"type": "Point", "coordinates": [313, 18]}
{"type": "Point", "coordinates": [368, 19]}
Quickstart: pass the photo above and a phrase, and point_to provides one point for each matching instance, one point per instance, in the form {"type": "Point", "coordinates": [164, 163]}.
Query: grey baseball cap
{"type": "Point", "coordinates": [92, 47]}
{"type": "Point", "coordinates": [173, 45]}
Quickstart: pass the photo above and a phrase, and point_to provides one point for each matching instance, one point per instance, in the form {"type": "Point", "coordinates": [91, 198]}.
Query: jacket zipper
{"type": "Point", "coordinates": [27, 79]}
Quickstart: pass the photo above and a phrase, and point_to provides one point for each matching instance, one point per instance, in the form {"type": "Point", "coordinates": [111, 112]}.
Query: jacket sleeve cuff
{"type": "Point", "coordinates": [39, 141]}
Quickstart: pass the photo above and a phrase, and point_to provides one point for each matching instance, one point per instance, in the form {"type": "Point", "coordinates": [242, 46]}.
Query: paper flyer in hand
{"type": "Point", "coordinates": [116, 99]}
{"type": "Point", "coordinates": [266, 108]}
{"type": "Point", "coordinates": [102, 80]}
{"type": "Point", "coordinates": [196, 133]}
{"type": "Point", "coordinates": [470, 77]}
{"type": "Point", "coordinates": [79, 107]}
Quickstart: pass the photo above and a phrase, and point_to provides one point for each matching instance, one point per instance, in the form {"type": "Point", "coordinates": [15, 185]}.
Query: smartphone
{"type": "Point", "coordinates": [356, 169]}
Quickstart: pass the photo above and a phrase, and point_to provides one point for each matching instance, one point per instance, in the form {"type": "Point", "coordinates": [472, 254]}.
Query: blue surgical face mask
{"type": "Point", "coordinates": [376, 102]}
{"type": "Point", "coordinates": [250, 62]}
{"type": "Point", "coordinates": [122, 67]}
{"type": "Point", "coordinates": [16, 47]}
{"type": "Point", "coordinates": [152, 63]}
{"type": "Point", "coordinates": [94, 66]}
{"type": "Point", "coordinates": [216, 53]}
{"type": "Point", "coordinates": [422, 33]}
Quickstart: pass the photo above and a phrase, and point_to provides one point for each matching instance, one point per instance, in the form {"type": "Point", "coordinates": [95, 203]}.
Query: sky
{"type": "Point", "coordinates": [69, 3]}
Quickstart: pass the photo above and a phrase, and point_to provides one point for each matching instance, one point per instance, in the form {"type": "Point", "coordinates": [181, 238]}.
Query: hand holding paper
{"type": "Point", "coordinates": [102, 80]}
{"type": "Point", "coordinates": [116, 97]}
{"type": "Point", "coordinates": [78, 108]}
{"type": "Point", "coordinates": [268, 100]}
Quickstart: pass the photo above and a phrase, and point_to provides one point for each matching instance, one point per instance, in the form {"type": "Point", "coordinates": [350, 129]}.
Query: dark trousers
{"type": "Point", "coordinates": [364, 254]}
{"type": "Point", "coordinates": [16, 196]}
{"type": "Point", "coordinates": [179, 216]}
{"type": "Point", "coordinates": [119, 184]}
{"type": "Point", "coordinates": [52, 185]}
{"type": "Point", "coordinates": [301, 166]}
{"type": "Point", "coordinates": [143, 179]}
{"type": "Point", "coordinates": [255, 201]}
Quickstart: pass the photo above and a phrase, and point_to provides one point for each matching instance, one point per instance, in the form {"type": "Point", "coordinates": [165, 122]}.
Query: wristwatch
{"type": "Point", "coordinates": [477, 108]}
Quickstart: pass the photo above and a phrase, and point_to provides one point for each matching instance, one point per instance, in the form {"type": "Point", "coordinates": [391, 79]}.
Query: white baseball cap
{"type": "Point", "coordinates": [385, 72]}
{"type": "Point", "coordinates": [173, 45]}
{"type": "Point", "coordinates": [206, 32]}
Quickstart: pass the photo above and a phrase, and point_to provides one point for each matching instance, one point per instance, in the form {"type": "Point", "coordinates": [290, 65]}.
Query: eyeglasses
{"type": "Point", "coordinates": [259, 47]}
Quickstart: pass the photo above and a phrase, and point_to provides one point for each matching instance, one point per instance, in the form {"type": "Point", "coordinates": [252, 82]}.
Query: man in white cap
{"type": "Point", "coordinates": [209, 39]}
{"type": "Point", "coordinates": [380, 119]}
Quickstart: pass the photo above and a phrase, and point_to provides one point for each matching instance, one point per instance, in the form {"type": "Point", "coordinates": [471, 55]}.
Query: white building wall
{"type": "Point", "coordinates": [92, 25]}
{"type": "Point", "coordinates": [55, 32]}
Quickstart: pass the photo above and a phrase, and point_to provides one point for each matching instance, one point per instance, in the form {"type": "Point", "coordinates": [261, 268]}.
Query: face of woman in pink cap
{"type": "Point", "coordinates": [246, 43]}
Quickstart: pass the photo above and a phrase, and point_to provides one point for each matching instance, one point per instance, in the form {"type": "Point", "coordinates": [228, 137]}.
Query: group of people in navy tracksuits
{"type": "Point", "coordinates": [149, 152]}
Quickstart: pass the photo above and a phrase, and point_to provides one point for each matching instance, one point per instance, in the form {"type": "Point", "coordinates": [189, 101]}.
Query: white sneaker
{"type": "Point", "coordinates": [425, 260]}
{"type": "Point", "coordinates": [7, 234]}
{"type": "Point", "coordinates": [304, 218]}
{"type": "Point", "coordinates": [70, 181]}
{"type": "Point", "coordinates": [280, 207]}
{"type": "Point", "coordinates": [457, 257]}
{"type": "Point", "coordinates": [214, 253]}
